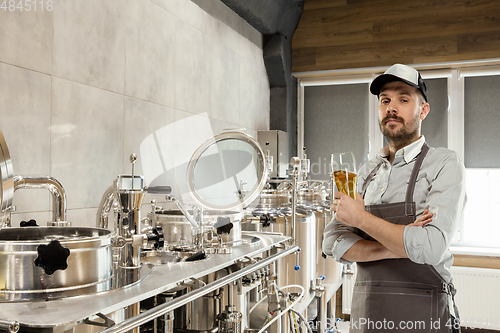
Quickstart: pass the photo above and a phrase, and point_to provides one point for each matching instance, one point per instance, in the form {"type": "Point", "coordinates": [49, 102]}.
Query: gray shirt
{"type": "Point", "coordinates": [440, 187]}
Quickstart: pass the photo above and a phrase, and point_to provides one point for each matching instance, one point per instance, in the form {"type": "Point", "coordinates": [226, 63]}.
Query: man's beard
{"type": "Point", "coordinates": [406, 133]}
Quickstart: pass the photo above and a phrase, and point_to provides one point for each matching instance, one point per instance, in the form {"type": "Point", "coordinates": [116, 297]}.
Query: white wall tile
{"type": "Point", "coordinates": [150, 51]}
{"type": "Point", "coordinates": [152, 77]}
{"type": "Point", "coordinates": [89, 42]}
{"type": "Point", "coordinates": [227, 27]}
{"type": "Point", "coordinates": [191, 131]}
{"type": "Point", "coordinates": [25, 120]}
{"type": "Point", "coordinates": [192, 70]}
{"type": "Point", "coordinates": [26, 37]}
{"type": "Point", "coordinates": [41, 218]}
{"type": "Point", "coordinates": [171, 6]}
{"type": "Point", "coordinates": [251, 50]}
{"type": "Point", "coordinates": [149, 133]}
{"type": "Point", "coordinates": [25, 115]}
{"type": "Point", "coordinates": [263, 118]}
{"type": "Point", "coordinates": [229, 38]}
{"type": "Point", "coordinates": [219, 126]}
{"type": "Point", "coordinates": [82, 217]}
{"type": "Point", "coordinates": [194, 16]}
{"type": "Point", "coordinates": [87, 140]}
{"type": "Point", "coordinates": [225, 92]}
{"type": "Point", "coordinates": [253, 105]}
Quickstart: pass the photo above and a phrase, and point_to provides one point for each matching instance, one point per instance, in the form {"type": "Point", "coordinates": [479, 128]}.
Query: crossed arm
{"type": "Point", "coordinates": [422, 242]}
{"type": "Point", "coordinates": [390, 242]}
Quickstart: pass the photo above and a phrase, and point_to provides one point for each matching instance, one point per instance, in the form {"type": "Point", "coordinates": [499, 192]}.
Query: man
{"type": "Point", "coordinates": [399, 227]}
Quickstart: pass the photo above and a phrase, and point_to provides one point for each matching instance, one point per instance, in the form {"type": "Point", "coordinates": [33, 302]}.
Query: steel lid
{"type": "Point", "coordinates": [7, 179]}
{"type": "Point", "coordinates": [227, 172]}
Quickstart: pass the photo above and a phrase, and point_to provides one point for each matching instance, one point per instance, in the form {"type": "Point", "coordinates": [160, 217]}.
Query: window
{"type": "Point", "coordinates": [465, 117]}
{"type": "Point", "coordinates": [481, 157]}
{"type": "Point", "coordinates": [347, 131]}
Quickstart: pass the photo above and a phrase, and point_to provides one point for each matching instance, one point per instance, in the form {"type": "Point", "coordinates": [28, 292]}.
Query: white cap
{"type": "Point", "coordinates": [399, 72]}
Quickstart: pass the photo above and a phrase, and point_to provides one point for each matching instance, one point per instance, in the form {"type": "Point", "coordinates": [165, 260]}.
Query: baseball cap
{"type": "Point", "coordinates": [399, 72]}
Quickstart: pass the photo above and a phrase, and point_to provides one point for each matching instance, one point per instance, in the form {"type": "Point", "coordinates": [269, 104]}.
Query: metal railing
{"type": "Point", "coordinates": [162, 309]}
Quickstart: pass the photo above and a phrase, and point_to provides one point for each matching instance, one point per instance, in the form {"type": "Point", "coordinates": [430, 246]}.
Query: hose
{"type": "Point", "coordinates": [256, 304]}
{"type": "Point", "coordinates": [293, 322]}
{"type": "Point", "coordinates": [288, 307]}
{"type": "Point", "coordinates": [303, 319]}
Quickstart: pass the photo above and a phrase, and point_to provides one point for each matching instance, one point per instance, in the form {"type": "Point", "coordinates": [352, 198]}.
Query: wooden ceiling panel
{"type": "Point", "coordinates": [359, 33]}
{"type": "Point", "coordinates": [315, 4]}
{"type": "Point", "coordinates": [334, 34]}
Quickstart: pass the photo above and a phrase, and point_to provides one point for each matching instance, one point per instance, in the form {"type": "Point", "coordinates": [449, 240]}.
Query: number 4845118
{"type": "Point", "coordinates": [27, 5]}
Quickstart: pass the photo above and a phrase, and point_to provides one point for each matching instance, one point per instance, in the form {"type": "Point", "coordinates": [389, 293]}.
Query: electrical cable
{"type": "Point", "coordinates": [290, 322]}
{"type": "Point", "coordinates": [293, 321]}
{"type": "Point", "coordinates": [288, 307]}
{"type": "Point", "coordinates": [309, 329]}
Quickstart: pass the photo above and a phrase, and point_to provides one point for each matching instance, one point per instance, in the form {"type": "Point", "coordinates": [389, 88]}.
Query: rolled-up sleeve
{"type": "Point", "coordinates": [337, 239]}
{"type": "Point", "coordinates": [446, 200]}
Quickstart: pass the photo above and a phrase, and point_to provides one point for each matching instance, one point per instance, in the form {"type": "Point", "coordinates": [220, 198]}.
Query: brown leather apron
{"type": "Point", "coordinates": [398, 295]}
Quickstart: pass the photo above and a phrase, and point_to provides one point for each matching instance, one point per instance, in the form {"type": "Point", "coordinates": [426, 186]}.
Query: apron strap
{"type": "Point", "coordinates": [369, 178]}
{"type": "Point", "coordinates": [413, 180]}
{"type": "Point", "coordinates": [411, 184]}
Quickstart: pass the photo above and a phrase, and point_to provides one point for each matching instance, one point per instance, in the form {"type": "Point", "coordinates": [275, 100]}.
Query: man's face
{"type": "Point", "coordinates": [400, 112]}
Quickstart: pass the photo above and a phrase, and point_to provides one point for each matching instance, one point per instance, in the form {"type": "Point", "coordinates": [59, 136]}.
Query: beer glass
{"type": "Point", "coordinates": [343, 170]}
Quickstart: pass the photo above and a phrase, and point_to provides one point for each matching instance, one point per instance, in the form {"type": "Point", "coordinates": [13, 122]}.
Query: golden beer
{"type": "Point", "coordinates": [346, 182]}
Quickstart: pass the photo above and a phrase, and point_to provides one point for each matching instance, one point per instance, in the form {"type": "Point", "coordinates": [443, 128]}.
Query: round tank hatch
{"type": "Point", "coordinates": [227, 172]}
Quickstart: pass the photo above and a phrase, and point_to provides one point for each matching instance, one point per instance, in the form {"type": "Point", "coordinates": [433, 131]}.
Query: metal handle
{"type": "Point", "coordinates": [52, 257]}
{"type": "Point", "coordinates": [160, 189]}
{"type": "Point", "coordinates": [30, 223]}
{"type": "Point", "coordinates": [297, 262]}
{"type": "Point", "coordinates": [52, 185]}
{"type": "Point", "coordinates": [9, 326]}
{"type": "Point", "coordinates": [162, 309]}
{"type": "Point", "coordinates": [133, 159]}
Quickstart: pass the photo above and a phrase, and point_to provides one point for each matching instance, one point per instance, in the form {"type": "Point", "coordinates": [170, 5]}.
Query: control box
{"type": "Point", "coordinates": [276, 142]}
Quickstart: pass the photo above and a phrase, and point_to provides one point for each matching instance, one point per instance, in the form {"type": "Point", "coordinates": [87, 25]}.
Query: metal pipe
{"type": "Point", "coordinates": [53, 186]}
{"type": "Point", "coordinates": [295, 162]}
{"type": "Point", "coordinates": [294, 209]}
{"type": "Point", "coordinates": [162, 309]}
{"type": "Point", "coordinates": [9, 326]}
{"type": "Point", "coordinates": [332, 183]}
{"type": "Point", "coordinates": [102, 217]}
{"type": "Point", "coordinates": [183, 210]}
{"type": "Point", "coordinates": [322, 312]}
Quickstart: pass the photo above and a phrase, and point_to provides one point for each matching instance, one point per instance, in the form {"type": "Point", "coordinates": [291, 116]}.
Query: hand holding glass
{"type": "Point", "coordinates": [343, 168]}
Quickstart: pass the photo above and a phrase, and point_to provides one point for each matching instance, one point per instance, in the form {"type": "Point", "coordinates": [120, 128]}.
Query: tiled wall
{"type": "Point", "coordinates": [85, 85]}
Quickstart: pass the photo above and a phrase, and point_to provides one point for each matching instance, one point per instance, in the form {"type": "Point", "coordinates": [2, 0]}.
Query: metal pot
{"type": "Point", "coordinates": [218, 219]}
{"type": "Point", "coordinates": [178, 231]}
{"type": "Point", "coordinates": [54, 262]}
{"type": "Point", "coordinates": [274, 199]}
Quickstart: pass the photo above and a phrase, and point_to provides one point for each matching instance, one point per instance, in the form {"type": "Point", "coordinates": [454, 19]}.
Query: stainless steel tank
{"type": "Point", "coordinates": [54, 262]}
{"type": "Point", "coordinates": [199, 315]}
{"type": "Point", "coordinates": [314, 197]}
{"type": "Point", "coordinates": [273, 214]}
